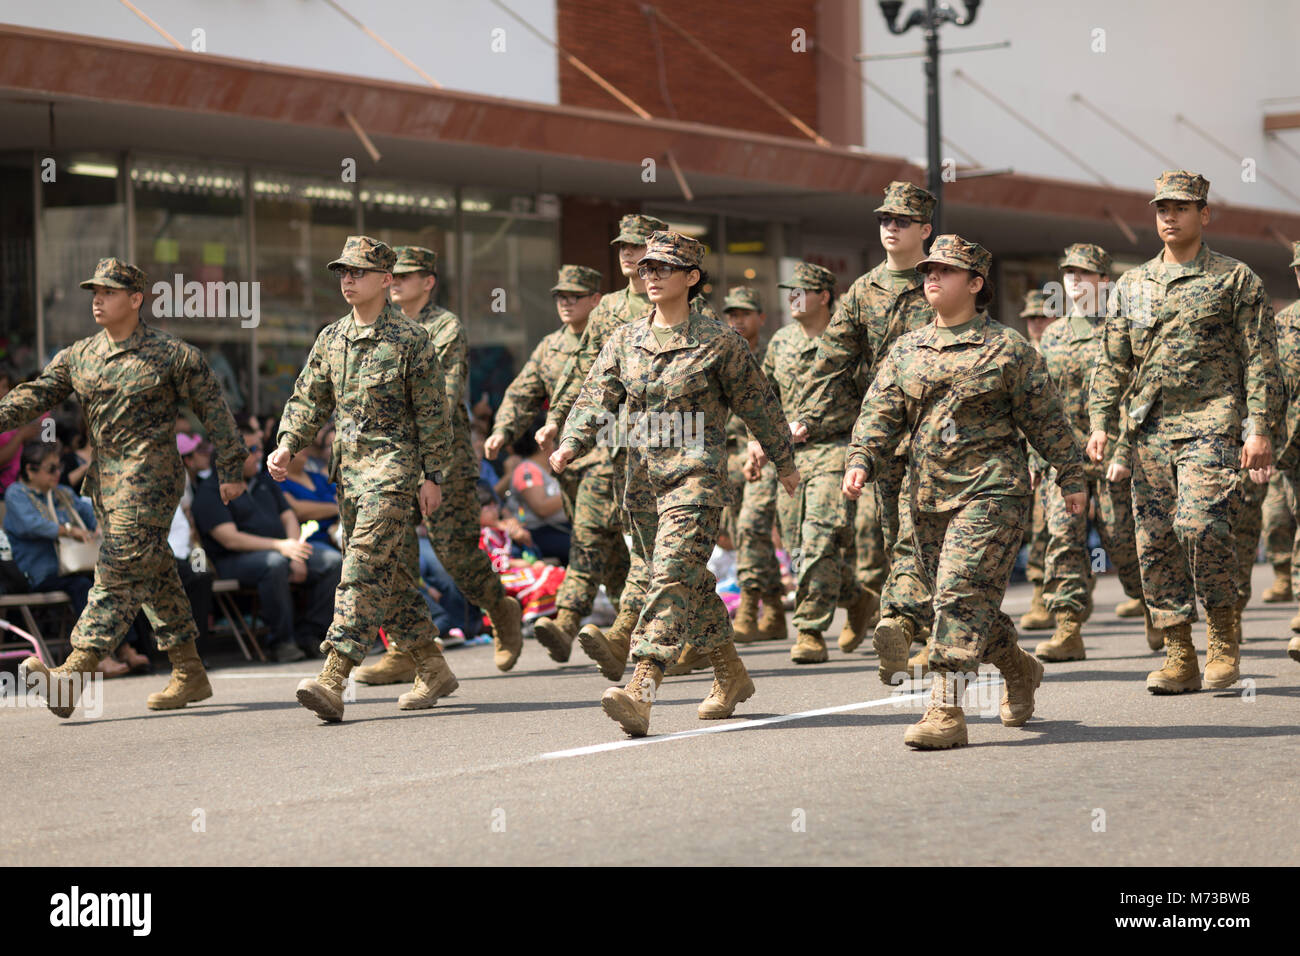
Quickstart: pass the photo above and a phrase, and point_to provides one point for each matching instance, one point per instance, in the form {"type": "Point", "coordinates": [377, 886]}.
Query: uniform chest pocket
{"type": "Point", "coordinates": [686, 386]}
{"type": "Point", "coordinates": [974, 386]}
{"type": "Point", "coordinates": [914, 398]}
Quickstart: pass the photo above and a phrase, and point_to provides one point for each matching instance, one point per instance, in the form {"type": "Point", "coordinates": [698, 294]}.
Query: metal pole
{"type": "Point", "coordinates": [935, 178]}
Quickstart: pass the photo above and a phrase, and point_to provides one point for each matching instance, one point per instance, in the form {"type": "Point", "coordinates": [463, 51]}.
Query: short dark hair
{"type": "Point", "coordinates": [698, 288]}
{"type": "Point", "coordinates": [984, 297]}
{"type": "Point", "coordinates": [34, 455]}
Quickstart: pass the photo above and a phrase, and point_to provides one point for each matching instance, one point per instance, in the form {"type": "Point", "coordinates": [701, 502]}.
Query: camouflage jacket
{"type": "Point", "coordinates": [737, 433]}
{"type": "Point", "coordinates": [452, 348]}
{"type": "Point", "coordinates": [384, 385]}
{"type": "Point", "coordinates": [677, 400]}
{"type": "Point", "coordinates": [611, 313]}
{"type": "Point", "coordinates": [1216, 364]}
{"type": "Point", "coordinates": [868, 319]}
{"type": "Point", "coordinates": [788, 366]}
{"type": "Point", "coordinates": [131, 391]}
{"type": "Point", "coordinates": [534, 385]}
{"type": "Point", "coordinates": [1288, 357]}
{"type": "Point", "coordinates": [1071, 359]}
{"type": "Point", "coordinates": [961, 408]}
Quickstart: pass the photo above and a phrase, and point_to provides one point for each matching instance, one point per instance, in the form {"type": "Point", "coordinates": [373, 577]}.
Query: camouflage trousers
{"type": "Point", "coordinates": [454, 534]}
{"type": "Point", "coordinates": [906, 593]}
{"type": "Point", "coordinates": [731, 513]}
{"type": "Point", "coordinates": [870, 556]}
{"type": "Point", "coordinates": [756, 566]}
{"type": "Point", "coordinates": [1279, 522]}
{"type": "Point", "coordinates": [135, 570]}
{"type": "Point", "coordinates": [597, 552]}
{"type": "Point", "coordinates": [817, 528]}
{"type": "Point", "coordinates": [1037, 538]}
{"type": "Point", "coordinates": [379, 584]}
{"type": "Point", "coordinates": [1068, 566]}
{"type": "Point", "coordinates": [1250, 522]}
{"type": "Point", "coordinates": [1186, 503]}
{"type": "Point", "coordinates": [670, 557]}
{"type": "Point", "coordinates": [967, 555]}
{"type": "Point", "coordinates": [1291, 485]}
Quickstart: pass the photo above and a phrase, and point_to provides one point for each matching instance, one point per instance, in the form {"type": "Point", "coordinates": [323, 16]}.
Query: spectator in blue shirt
{"type": "Point", "coordinates": [312, 497]}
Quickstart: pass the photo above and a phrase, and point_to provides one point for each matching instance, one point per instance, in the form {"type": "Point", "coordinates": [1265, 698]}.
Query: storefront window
{"type": "Point", "coordinates": [83, 219]}
{"type": "Point", "coordinates": [412, 214]}
{"type": "Point", "coordinates": [191, 241]}
{"type": "Point", "coordinates": [300, 224]}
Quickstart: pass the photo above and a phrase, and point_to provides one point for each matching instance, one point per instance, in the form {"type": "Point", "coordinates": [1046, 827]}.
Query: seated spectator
{"type": "Point", "coordinates": [12, 441]}
{"type": "Point", "coordinates": [532, 583]}
{"type": "Point", "coordinates": [318, 458]}
{"type": "Point", "coordinates": [536, 500]}
{"type": "Point", "coordinates": [312, 498]}
{"type": "Point", "coordinates": [34, 529]}
{"type": "Point", "coordinates": [451, 612]}
{"type": "Point", "coordinates": [77, 454]}
{"type": "Point", "coordinates": [254, 540]}
{"type": "Point", "coordinates": [191, 561]}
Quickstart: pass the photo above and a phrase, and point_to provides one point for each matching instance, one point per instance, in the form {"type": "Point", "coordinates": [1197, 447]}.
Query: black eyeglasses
{"type": "Point", "coordinates": [660, 271]}
{"type": "Point", "coordinates": [569, 298]}
{"type": "Point", "coordinates": [902, 222]}
{"type": "Point", "coordinates": [348, 273]}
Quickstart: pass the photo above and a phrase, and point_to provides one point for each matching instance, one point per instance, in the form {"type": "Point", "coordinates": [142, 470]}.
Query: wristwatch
{"type": "Point", "coordinates": [436, 477]}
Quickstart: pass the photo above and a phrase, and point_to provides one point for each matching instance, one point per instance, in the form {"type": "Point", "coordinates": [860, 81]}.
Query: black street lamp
{"type": "Point", "coordinates": [930, 19]}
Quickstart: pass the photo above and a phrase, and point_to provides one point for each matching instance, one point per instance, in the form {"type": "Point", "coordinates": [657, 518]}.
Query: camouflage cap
{"type": "Point", "coordinates": [115, 274]}
{"type": "Point", "coordinates": [582, 279]}
{"type": "Point", "coordinates": [742, 297]}
{"type": "Point", "coordinates": [1181, 185]}
{"type": "Point", "coordinates": [1088, 257]}
{"type": "Point", "coordinates": [1035, 305]}
{"type": "Point", "coordinates": [674, 249]}
{"type": "Point", "coordinates": [635, 229]}
{"type": "Point", "coordinates": [414, 259]}
{"type": "Point", "coordinates": [811, 277]}
{"type": "Point", "coordinates": [362, 252]}
{"type": "Point", "coordinates": [1295, 259]}
{"type": "Point", "coordinates": [905, 199]}
{"type": "Point", "coordinates": [955, 251]}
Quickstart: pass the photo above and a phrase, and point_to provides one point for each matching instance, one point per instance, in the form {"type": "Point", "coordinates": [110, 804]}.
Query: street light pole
{"type": "Point", "coordinates": [934, 16]}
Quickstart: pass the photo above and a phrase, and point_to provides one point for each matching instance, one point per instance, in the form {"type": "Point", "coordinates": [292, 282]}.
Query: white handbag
{"type": "Point", "coordinates": [75, 557]}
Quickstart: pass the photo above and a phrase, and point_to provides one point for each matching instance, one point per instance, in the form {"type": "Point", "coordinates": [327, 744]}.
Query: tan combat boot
{"type": "Point", "coordinates": [1155, 635]}
{"type": "Point", "coordinates": [507, 633]}
{"type": "Point", "coordinates": [892, 639]}
{"type": "Point", "coordinates": [323, 694]}
{"type": "Point", "coordinates": [630, 705]}
{"type": "Point", "coordinates": [944, 723]}
{"type": "Point", "coordinates": [1279, 592]}
{"type": "Point", "coordinates": [1223, 659]}
{"type": "Point", "coordinates": [1180, 673]}
{"type": "Point", "coordinates": [1021, 676]}
{"type": "Point", "coordinates": [810, 648]}
{"type": "Point", "coordinates": [918, 665]}
{"type": "Point", "coordinates": [863, 613]}
{"type": "Point", "coordinates": [395, 667]}
{"type": "Point", "coordinates": [60, 685]}
{"type": "Point", "coordinates": [1133, 607]}
{"type": "Point", "coordinates": [731, 684]}
{"type": "Point", "coordinates": [609, 649]}
{"type": "Point", "coordinates": [557, 634]}
{"type": "Point", "coordinates": [1067, 643]}
{"type": "Point", "coordinates": [1037, 618]}
{"type": "Point", "coordinates": [691, 658]}
{"type": "Point", "coordinates": [771, 623]}
{"type": "Point", "coordinates": [1293, 648]}
{"type": "Point", "coordinates": [745, 624]}
{"type": "Point", "coordinates": [1295, 622]}
{"type": "Point", "coordinates": [189, 682]}
{"type": "Point", "coordinates": [433, 677]}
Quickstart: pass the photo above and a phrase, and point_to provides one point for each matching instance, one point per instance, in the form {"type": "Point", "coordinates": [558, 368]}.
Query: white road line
{"type": "Point", "coordinates": [741, 725]}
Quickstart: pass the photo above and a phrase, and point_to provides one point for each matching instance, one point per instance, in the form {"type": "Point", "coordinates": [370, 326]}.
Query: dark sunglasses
{"type": "Point", "coordinates": [902, 222]}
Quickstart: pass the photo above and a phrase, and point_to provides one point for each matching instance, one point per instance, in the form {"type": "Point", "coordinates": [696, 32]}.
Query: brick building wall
{"type": "Point", "coordinates": [616, 40]}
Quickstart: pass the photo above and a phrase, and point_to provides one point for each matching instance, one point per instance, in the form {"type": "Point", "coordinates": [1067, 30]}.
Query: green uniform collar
{"type": "Point", "coordinates": [683, 337]}
{"type": "Point", "coordinates": [880, 277]}
{"type": "Point", "coordinates": [104, 346]}
{"type": "Point", "coordinates": [355, 333]}
{"type": "Point", "coordinates": [973, 331]}
{"type": "Point", "coordinates": [1167, 272]}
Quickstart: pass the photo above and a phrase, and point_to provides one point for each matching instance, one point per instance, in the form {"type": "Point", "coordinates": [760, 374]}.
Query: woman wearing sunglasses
{"type": "Point", "coordinates": [673, 378]}
{"type": "Point", "coordinates": [961, 391]}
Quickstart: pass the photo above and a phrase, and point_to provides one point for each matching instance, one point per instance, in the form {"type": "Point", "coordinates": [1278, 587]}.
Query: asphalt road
{"type": "Point", "coordinates": [524, 768]}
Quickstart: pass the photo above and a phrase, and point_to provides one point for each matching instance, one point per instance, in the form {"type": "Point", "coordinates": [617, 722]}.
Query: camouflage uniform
{"type": "Point", "coordinates": [817, 520]}
{"type": "Point", "coordinates": [959, 408]}
{"type": "Point", "coordinates": [610, 314]}
{"type": "Point", "coordinates": [1288, 355]}
{"type": "Point", "coordinates": [598, 552]}
{"type": "Point", "coordinates": [131, 392]}
{"type": "Point", "coordinates": [1071, 347]}
{"type": "Point", "coordinates": [1199, 341]}
{"type": "Point", "coordinates": [383, 385]}
{"type": "Point", "coordinates": [869, 318]}
{"type": "Point", "coordinates": [1035, 306]}
{"type": "Point", "coordinates": [674, 495]}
